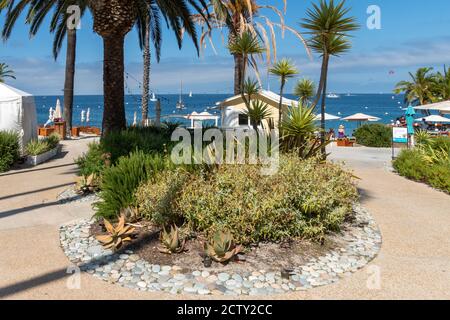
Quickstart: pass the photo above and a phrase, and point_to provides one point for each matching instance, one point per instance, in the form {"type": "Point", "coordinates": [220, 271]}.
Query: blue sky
{"type": "Point", "coordinates": [414, 33]}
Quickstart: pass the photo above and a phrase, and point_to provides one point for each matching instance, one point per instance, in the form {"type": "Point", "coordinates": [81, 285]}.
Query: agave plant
{"type": "Point", "coordinates": [221, 247]}
{"type": "Point", "coordinates": [87, 184]}
{"type": "Point", "coordinates": [172, 241]}
{"type": "Point", "coordinates": [116, 235]}
{"type": "Point", "coordinates": [131, 214]}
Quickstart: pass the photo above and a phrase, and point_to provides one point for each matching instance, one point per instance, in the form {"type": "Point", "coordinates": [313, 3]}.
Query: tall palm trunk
{"type": "Point", "coordinates": [113, 84]}
{"type": "Point", "coordinates": [70, 77]}
{"type": "Point", "coordinates": [324, 72]}
{"type": "Point", "coordinates": [280, 105]}
{"type": "Point", "coordinates": [238, 78]}
{"type": "Point", "coordinates": [113, 19]}
{"type": "Point", "coordinates": [146, 81]}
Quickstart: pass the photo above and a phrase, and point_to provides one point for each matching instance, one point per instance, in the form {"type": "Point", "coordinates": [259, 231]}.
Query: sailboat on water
{"type": "Point", "coordinates": [153, 98]}
{"type": "Point", "coordinates": [190, 94]}
{"type": "Point", "coordinates": [180, 103]}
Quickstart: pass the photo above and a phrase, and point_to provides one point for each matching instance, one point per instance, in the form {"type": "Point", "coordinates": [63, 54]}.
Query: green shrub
{"type": "Point", "coordinates": [93, 161]}
{"type": "Point", "coordinates": [148, 140]}
{"type": "Point", "coordinates": [418, 165]}
{"type": "Point", "coordinates": [304, 199]}
{"type": "Point", "coordinates": [120, 181]}
{"type": "Point", "coordinates": [9, 149]}
{"type": "Point", "coordinates": [119, 144]}
{"type": "Point", "coordinates": [374, 135]}
{"type": "Point", "coordinates": [40, 146]}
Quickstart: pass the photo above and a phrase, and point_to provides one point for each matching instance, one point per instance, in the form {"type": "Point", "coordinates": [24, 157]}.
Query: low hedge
{"type": "Point", "coordinates": [374, 135]}
{"type": "Point", "coordinates": [306, 198]}
{"type": "Point", "coordinates": [9, 149]}
{"type": "Point", "coordinates": [428, 163]}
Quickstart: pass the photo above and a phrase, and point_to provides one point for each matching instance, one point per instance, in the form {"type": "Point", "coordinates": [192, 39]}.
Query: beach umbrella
{"type": "Point", "coordinates": [361, 117]}
{"type": "Point", "coordinates": [82, 115]}
{"type": "Point", "coordinates": [88, 115]}
{"type": "Point", "coordinates": [410, 113]}
{"type": "Point", "coordinates": [328, 117]}
{"type": "Point", "coordinates": [434, 119]}
{"type": "Point", "coordinates": [58, 113]}
{"type": "Point", "coordinates": [442, 107]}
{"type": "Point", "coordinates": [135, 119]}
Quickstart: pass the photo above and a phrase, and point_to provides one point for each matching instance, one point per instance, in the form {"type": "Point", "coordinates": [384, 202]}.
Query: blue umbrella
{"type": "Point", "coordinates": [410, 113]}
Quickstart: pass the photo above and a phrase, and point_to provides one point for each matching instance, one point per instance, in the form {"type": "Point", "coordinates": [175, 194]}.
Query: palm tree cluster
{"type": "Point", "coordinates": [425, 87]}
{"type": "Point", "coordinates": [5, 72]}
{"type": "Point", "coordinates": [241, 16]}
{"type": "Point", "coordinates": [113, 20]}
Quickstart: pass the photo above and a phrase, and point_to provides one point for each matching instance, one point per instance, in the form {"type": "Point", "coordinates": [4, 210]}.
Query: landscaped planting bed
{"type": "Point", "coordinates": [220, 230]}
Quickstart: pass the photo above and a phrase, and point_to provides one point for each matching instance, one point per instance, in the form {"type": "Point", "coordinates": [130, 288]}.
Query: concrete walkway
{"type": "Point", "coordinates": [414, 262]}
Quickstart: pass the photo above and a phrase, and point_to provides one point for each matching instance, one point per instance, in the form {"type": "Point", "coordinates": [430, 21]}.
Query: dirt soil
{"type": "Point", "coordinates": [265, 256]}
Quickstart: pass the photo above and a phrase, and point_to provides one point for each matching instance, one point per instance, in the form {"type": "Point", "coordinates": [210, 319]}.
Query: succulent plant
{"type": "Point", "coordinates": [172, 241]}
{"type": "Point", "coordinates": [116, 235]}
{"type": "Point", "coordinates": [221, 247]}
{"type": "Point", "coordinates": [87, 184]}
{"type": "Point", "coordinates": [131, 214]}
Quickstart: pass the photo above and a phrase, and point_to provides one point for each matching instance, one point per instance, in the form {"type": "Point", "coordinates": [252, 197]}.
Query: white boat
{"type": "Point", "coordinates": [180, 104]}
{"type": "Point", "coordinates": [153, 99]}
{"type": "Point", "coordinates": [333, 96]}
{"type": "Point", "coordinates": [190, 94]}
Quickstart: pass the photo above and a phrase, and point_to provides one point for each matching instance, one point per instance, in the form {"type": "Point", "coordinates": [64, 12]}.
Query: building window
{"type": "Point", "coordinates": [243, 120]}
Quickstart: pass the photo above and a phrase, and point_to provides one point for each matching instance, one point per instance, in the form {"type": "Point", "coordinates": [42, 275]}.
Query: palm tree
{"type": "Point", "coordinates": [329, 27]}
{"type": "Point", "coordinates": [420, 88]}
{"type": "Point", "coordinates": [238, 16]}
{"type": "Point", "coordinates": [5, 72]}
{"type": "Point", "coordinates": [304, 90]}
{"type": "Point", "coordinates": [246, 46]}
{"type": "Point", "coordinates": [113, 20]}
{"type": "Point", "coordinates": [441, 91]}
{"type": "Point", "coordinates": [285, 70]}
{"type": "Point", "coordinates": [38, 10]}
{"type": "Point", "coordinates": [149, 28]}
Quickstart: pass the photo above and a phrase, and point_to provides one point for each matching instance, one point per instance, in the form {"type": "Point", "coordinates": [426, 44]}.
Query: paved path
{"type": "Point", "coordinates": [414, 262]}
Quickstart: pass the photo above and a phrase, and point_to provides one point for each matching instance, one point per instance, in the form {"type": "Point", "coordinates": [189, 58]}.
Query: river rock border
{"type": "Point", "coordinates": [362, 243]}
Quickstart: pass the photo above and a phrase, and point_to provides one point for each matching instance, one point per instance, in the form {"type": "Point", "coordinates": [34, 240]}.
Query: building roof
{"type": "Point", "coordinates": [265, 94]}
{"type": "Point", "coordinates": [8, 92]}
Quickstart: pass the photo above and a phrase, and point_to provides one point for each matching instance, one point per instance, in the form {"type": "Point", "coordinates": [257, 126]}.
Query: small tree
{"type": "Point", "coordinates": [285, 70]}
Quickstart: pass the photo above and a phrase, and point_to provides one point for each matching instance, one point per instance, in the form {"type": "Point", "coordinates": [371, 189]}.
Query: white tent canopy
{"type": "Point", "coordinates": [434, 119]}
{"type": "Point", "coordinates": [18, 113]}
{"type": "Point", "coordinates": [195, 117]}
{"type": "Point", "coordinates": [361, 117]}
{"type": "Point", "coordinates": [443, 107]}
{"type": "Point", "coordinates": [328, 117]}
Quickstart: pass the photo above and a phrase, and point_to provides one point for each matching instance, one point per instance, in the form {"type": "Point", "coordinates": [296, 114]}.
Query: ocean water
{"type": "Point", "coordinates": [387, 107]}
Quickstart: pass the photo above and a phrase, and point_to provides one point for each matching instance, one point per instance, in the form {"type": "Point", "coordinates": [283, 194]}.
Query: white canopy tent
{"type": "Point", "coordinates": [442, 107]}
{"type": "Point", "coordinates": [434, 119]}
{"type": "Point", "coordinates": [328, 117]}
{"type": "Point", "coordinates": [361, 117]}
{"type": "Point", "coordinates": [18, 113]}
{"type": "Point", "coordinates": [196, 117]}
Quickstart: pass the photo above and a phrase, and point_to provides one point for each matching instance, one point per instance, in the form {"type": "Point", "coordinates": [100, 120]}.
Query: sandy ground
{"type": "Point", "coordinates": [414, 262]}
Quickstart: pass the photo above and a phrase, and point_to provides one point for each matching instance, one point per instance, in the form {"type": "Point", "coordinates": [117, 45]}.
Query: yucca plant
{"type": "Point", "coordinates": [221, 247]}
{"type": "Point", "coordinates": [172, 241]}
{"type": "Point", "coordinates": [298, 129]}
{"type": "Point", "coordinates": [257, 112]}
{"type": "Point", "coordinates": [116, 235]}
{"type": "Point", "coordinates": [422, 137]}
{"type": "Point", "coordinates": [37, 147]}
{"type": "Point", "coordinates": [304, 90]}
{"type": "Point", "coordinates": [87, 184]}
